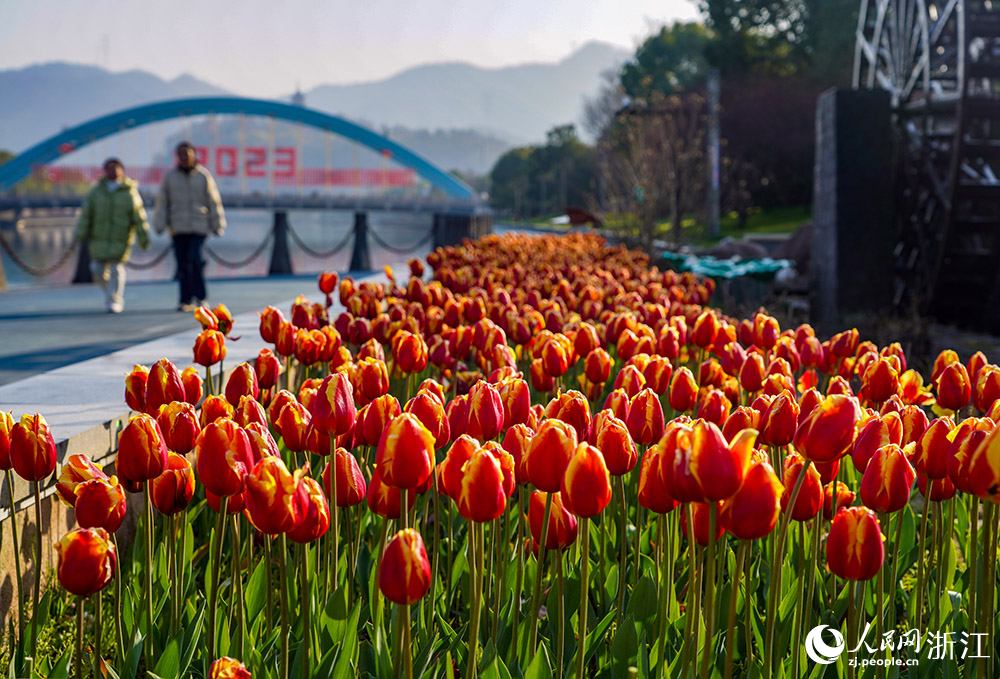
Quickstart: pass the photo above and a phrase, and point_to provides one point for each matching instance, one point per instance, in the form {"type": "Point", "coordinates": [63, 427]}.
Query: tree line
{"type": "Point", "coordinates": [648, 163]}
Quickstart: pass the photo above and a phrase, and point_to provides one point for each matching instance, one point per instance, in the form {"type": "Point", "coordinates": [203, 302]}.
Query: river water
{"type": "Point", "coordinates": [41, 243]}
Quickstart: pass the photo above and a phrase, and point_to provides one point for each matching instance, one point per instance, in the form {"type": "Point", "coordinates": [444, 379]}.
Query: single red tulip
{"type": "Point", "coordinates": [87, 560]}
{"type": "Point", "coordinates": [172, 490]}
{"type": "Point", "coordinates": [404, 575]}
{"type": "Point", "coordinates": [142, 452]}
{"type": "Point", "coordinates": [752, 512]}
{"type": "Point", "coordinates": [854, 548]}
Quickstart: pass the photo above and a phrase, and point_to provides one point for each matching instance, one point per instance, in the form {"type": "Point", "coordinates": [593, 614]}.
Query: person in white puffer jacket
{"type": "Point", "coordinates": [189, 208]}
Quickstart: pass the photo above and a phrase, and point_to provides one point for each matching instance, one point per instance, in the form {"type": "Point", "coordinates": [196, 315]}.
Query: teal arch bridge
{"type": "Point", "coordinates": [458, 211]}
{"type": "Point", "coordinates": [74, 138]}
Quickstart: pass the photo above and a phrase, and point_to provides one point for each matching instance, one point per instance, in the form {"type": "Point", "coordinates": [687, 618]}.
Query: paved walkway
{"type": "Point", "coordinates": [48, 327]}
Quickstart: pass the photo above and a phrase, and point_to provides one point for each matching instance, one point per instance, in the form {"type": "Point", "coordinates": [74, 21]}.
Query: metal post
{"type": "Point", "coordinates": [281, 257]}
{"type": "Point", "coordinates": [83, 274]}
{"type": "Point", "coordinates": [361, 256]}
{"type": "Point", "coordinates": [714, 88]}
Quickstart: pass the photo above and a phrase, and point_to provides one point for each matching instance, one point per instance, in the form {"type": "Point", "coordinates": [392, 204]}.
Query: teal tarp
{"type": "Point", "coordinates": [764, 269]}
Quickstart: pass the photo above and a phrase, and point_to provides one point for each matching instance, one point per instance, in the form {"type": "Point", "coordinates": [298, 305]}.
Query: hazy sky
{"type": "Point", "coordinates": [264, 47]}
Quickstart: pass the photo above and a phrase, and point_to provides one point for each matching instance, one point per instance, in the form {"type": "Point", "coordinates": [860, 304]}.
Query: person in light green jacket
{"type": "Point", "coordinates": [112, 217]}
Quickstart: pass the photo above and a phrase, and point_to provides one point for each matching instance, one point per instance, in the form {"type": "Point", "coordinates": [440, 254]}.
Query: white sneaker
{"type": "Point", "coordinates": [116, 307]}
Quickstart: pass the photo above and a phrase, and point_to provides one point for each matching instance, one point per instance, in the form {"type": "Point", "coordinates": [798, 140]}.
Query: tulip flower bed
{"type": "Point", "coordinates": [497, 473]}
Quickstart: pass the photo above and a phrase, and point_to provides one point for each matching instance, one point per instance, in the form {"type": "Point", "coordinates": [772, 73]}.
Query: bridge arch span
{"type": "Point", "coordinates": [86, 133]}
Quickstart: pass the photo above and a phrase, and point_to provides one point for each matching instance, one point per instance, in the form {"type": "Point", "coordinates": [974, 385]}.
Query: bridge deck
{"type": "Point", "coordinates": [46, 328]}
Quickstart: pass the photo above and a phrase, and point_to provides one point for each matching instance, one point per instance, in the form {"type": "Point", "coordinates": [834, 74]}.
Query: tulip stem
{"type": "Point", "coordinates": [38, 569]}
{"type": "Point", "coordinates": [118, 605]}
{"type": "Point", "coordinates": [497, 580]}
{"type": "Point", "coordinates": [622, 544]}
{"type": "Point", "coordinates": [208, 381]}
{"type": "Point", "coordinates": [213, 603]}
{"type": "Point", "coordinates": [519, 581]}
{"type": "Point", "coordinates": [306, 597]}
{"type": "Point", "coordinates": [709, 590]}
{"type": "Point", "coordinates": [151, 657]}
{"type": "Point", "coordinates": [972, 563]}
{"type": "Point", "coordinates": [986, 584]}
{"type": "Point", "coordinates": [894, 580]}
{"type": "Point", "coordinates": [561, 636]}
{"type": "Point", "coordinates": [79, 636]}
{"type": "Point", "coordinates": [602, 552]}
{"type": "Point", "coordinates": [335, 512]}
{"type": "Point", "coordinates": [475, 593]}
{"type": "Point", "coordinates": [581, 646]}
{"type": "Point", "coordinates": [940, 537]}
{"type": "Point", "coordinates": [807, 604]}
{"type": "Point", "coordinates": [800, 611]}
{"type": "Point", "coordinates": [238, 586]}
{"type": "Point", "coordinates": [283, 573]}
{"type": "Point", "coordinates": [917, 611]}
{"type": "Point", "coordinates": [269, 589]}
{"type": "Point", "coordinates": [17, 556]}
{"type": "Point", "coordinates": [98, 628]}
{"type": "Point", "coordinates": [536, 598]}
{"type": "Point", "coordinates": [666, 590]}
{"type": "Point", "coordinates": [172, 570]}
{"type": "Point", "coordinates": [741, 554]}
{"type": "Point", "coordinates": [773, 593]}
{"type": "Point", "coordinates": [851, 593]}
{"type": "Point", "coordinates": [690, 624]}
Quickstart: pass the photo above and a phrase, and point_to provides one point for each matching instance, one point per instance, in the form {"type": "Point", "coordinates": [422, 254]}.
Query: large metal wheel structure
{"type": "Point", "coordinates": [939, 60]}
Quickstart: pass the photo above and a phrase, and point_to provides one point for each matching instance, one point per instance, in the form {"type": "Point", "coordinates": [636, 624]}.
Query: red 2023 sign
{"type": "Point", "coordinates": [226, 162]}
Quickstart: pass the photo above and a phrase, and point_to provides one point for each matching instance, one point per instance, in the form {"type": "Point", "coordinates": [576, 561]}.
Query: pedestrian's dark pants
{"type": "Point", "coordinates": [190, 267]}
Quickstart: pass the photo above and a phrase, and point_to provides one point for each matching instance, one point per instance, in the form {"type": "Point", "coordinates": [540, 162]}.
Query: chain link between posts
{"type": "Point", "coordinates": [320, 254]}
{"type": "Point", "coordinates": [398, 250]}
{"type": "Point", "coordinates": [239, 264]}
{"type": "Point", "coordinates": [155, 261]}
{"type": "Point", "coordinates": [36, 271]}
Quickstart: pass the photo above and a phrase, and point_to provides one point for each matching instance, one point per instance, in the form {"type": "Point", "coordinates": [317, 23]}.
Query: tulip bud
{"type": "Point", "coordinates": [485, 412]}
{"type": "Point", "coordinates": [87, 560]}
{"type": "Point", "coordinates": [943, 360]}
{"type": "Point", "coordinates": [163, 385]}
{"type": "Point", "coordinates": [586, 342]}
{"type": "Point", "coordinates": [953, 388]}
{"type": "Point", "coordinates": [779, 421]}
{"type": "Point", "coordinates": [371, 380]}
{"type": "Point", "coordinates": [930, 456]}
{"type": "Point", "coordinates": [516, 399]}
{"type": "Point", "coordinates": [877, 433]}
{"type": "Point", "coordinates": [683, 391]}
{"type": "Point", "coordinates": [77, 469]}
{"type": "Point", "coordinates": [586, 485]}
{"type": "Point", "coordinates": [351, 487]}
{"type": "Point", "coordinates": [404, 574]}
{"type": "Point", "coordinates": [706, 327]}
{"type": "Point", "coordinates": [516, 442]}
{"type": "Point", "coordinates": [223, 457]}
{"type": "Point", "coordinates": [480, 495]}
{"type": "Point", "coordinates": [549, 453]}
{"type": "Point", "coordinates": [615, 443]}
{"type": "Point", "coordinates": [431, 414]}
{"type": "Point", "coordinates": [171, 491]}
{"type": "Point", "coordinates": [405, 452]}
{"type": "Point", "coordinates": [276, 499]}
{"type": "Point", "coordinates": [179, 425]}
{"type": "Point", "coordinates": [828, 432]}
{"type": "Point", "coordinates": [100, 503]}
{"type": "Point", "coordinates": [209, 347]}
{"type": "Point", "coordinates": [914, 422]}
{"type": "Point", "coordinates": [228, 668]}
{"type": "Point", "coordinates": [677, 460]}
{"type": "Point", "coordinates": [333, 411]}
{"type": "Point", "coordinates": [810, 499]}
{"type": "Point", "coordinates": [987, 390]}
{"type": "Point", "coordinates": [966, 445]}
{"type": "Point", "coordinates": [752, 373]}
{"type": "Point", "coordinates": [541, 381]}
{"type": "Point", "coordinates": [142, 453]}
{"type": "Point", "coordinates": [645, 418]}
{"type": "Point", "coordinates": [885, 485]}
{"type": "Point", "coordinates": [936, 490]}
{"type": "Point", "coordinates": [562, 526]}
{"type": "Point", "coordinates": [215, 408]}
{"type": "Point", "coordinates": [617, 402]}
{"type": "Point", "coordinates": [316, 519]}
{"type": "Point", "coordinates": [409, 351]}
{"type": "Point", "coordinates": [854, 548]}
{"type": "Point", "coordinates": [984, 468]}
{"type": "Point", "coordinates": [845, 498]}
{"type": "Point", "coordinates": [742, 418]}
{"type": "Point", "coordinates": [293, 425]}
{"type": "Point", "coordinates": [653, 494]}
{"type": "Point", "coordinates": [135, 388]}
{"type": "Point", "coordinates": [267, 368]}
{"type": "Point", "coordinates": [700, 519]}
{"type": "Point", "coordinates": [752, 512]}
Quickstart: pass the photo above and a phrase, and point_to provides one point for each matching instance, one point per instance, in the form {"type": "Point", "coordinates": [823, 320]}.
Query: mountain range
{"type": "Point", "coordinates": [487, 109]}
